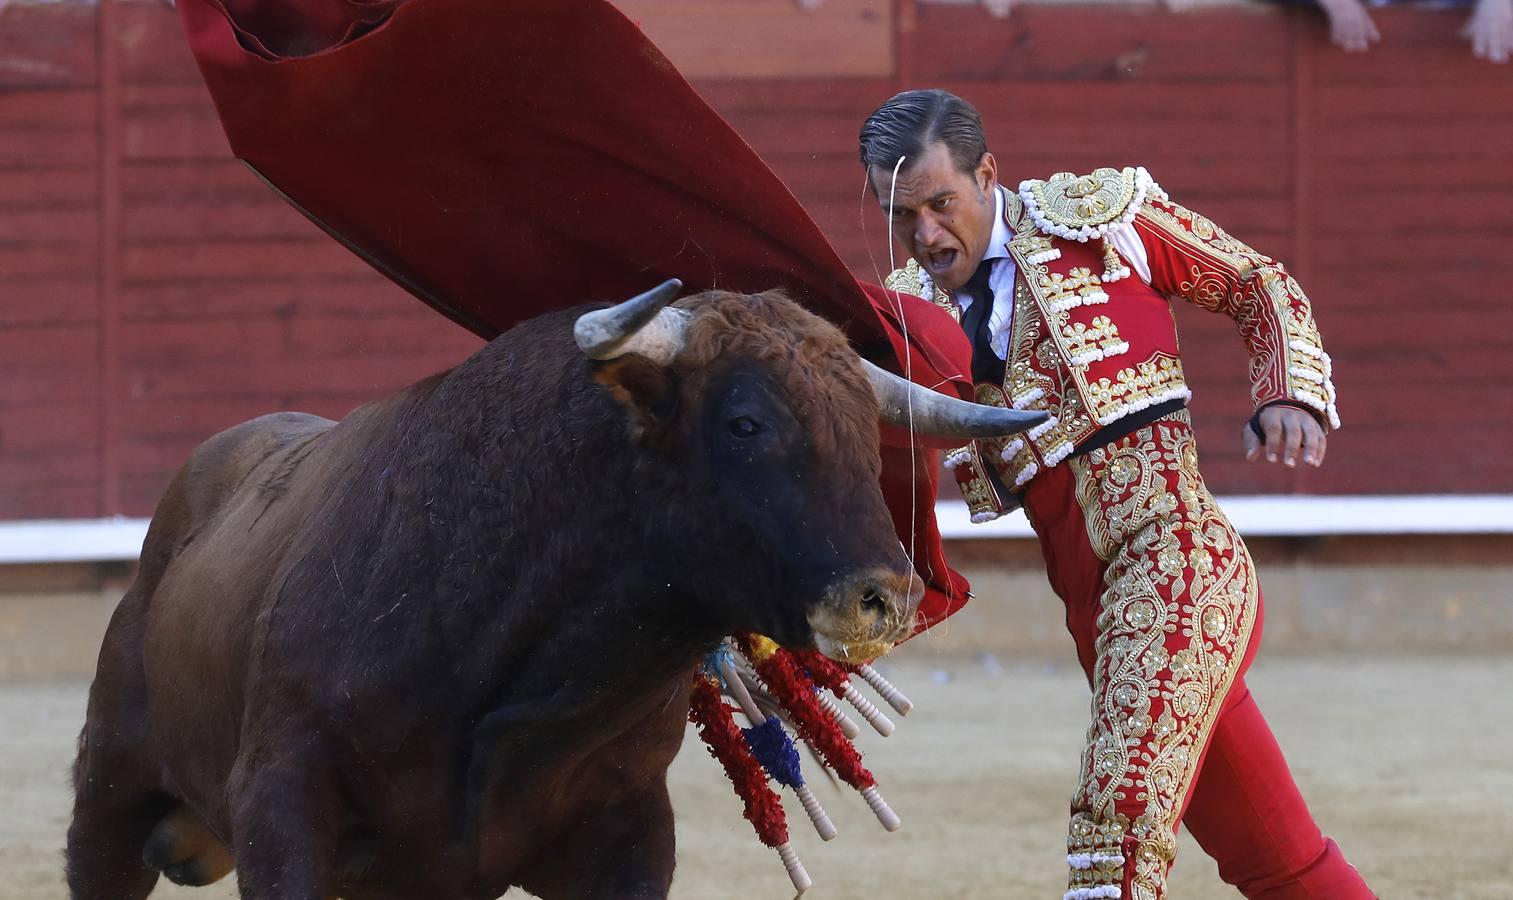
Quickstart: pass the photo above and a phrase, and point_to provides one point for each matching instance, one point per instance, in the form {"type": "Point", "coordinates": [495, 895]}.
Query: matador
{"type": "Point", "coordinates": [1064, 287]}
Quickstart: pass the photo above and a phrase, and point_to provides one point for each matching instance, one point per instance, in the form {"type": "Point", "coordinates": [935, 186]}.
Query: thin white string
{"type": "Point", "coordinates": [910, 551]}
{"type": "Point", "coordinates": [903, 321]}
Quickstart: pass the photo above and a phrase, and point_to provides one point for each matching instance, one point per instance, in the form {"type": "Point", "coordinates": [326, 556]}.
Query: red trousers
{"type": "Point", "coordinates": [1162, 601]}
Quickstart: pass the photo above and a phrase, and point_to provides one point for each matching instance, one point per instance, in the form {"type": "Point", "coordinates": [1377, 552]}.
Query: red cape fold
{"type": "Point", "coordinates": [503, 158]}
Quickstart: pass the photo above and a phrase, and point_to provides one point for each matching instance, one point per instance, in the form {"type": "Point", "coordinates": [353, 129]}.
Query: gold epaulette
{"type": "Point", "coordinates": [912, 279]}
{"type": "Point", "coordinates": [1085, 207]}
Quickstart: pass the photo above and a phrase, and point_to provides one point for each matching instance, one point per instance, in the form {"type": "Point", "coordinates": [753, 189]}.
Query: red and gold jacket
{"type": "Point", "coordinates": [1092, 340]}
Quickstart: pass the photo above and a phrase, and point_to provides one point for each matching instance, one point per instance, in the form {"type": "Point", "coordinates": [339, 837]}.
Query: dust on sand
{"type": "Point", "coordinates": [1405, 761]}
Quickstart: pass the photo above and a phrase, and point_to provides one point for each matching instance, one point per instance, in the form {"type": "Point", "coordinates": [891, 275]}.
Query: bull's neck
{"type": "Point", "coordinates": [582, 598]}
{"type": "Point", "coordinates": [553, 561]}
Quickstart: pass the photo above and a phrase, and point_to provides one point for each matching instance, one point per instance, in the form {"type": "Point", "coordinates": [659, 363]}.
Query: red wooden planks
{"type": "Point", "coordinates": [1391, 172]}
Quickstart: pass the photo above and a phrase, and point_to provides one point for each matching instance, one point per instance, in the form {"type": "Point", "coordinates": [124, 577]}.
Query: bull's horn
{"type": "Point", "coordinates": [920, 409]}
{"type": "Point", "coordinates": [639, 325]}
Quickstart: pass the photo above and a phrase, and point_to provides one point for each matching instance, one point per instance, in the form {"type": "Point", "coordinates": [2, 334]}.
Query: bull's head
{"type": "Point", "coordinates": [770, 419]}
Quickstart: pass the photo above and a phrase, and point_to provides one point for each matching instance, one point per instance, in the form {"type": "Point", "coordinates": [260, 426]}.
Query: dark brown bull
{"type": "Point", "coordinates": [443, 647]}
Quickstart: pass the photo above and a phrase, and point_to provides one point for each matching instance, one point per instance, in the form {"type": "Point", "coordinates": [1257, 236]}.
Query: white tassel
{"type": "Point", "coordinates": [1026, 474]}
{"type": "Point", "coordinates": [1024, 400]}
{"type": "Point", "coordinates": [1039, 431]}
{"type": "Point", "coordinates": [796, 874]}
{"type": "Point", "coordinates": [1125, 409]}
{"type": "Point", "coordinates": [1059, 454]}
{"type": "Point", "coordinates": [880, 808]}
{"type": "Point", "coordinates": [817, 815]}
{"type": "Point", "coordinates": [874, 716]}
{"type": "Point", "coordinates": [892, 695]}
{"type": "Point", "coordinates": [1305, 348]}
{"type": "Point", "coordinates": [1085, 861]}
{"type": "Point", "coordinates": [849, 728]}
{"type": "Point", "coordinates": [737, 689]}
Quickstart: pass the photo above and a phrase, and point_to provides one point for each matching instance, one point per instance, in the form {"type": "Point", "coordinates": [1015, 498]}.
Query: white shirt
{"type": "Point", "coordinates": [1000, 281]}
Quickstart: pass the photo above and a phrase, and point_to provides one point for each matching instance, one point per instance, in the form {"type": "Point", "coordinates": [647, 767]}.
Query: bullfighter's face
{"type": "Point", "coordinates": [941, 215]}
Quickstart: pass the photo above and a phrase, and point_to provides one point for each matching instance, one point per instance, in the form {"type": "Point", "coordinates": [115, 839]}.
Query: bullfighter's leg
{"type": "Point", "coordinates": [1174, 625]}
{"type": "Point", "coordinates": [284, 816]}
{"type": "Point", "coordinates": [115, 804]}
{"type": "Point", "coordinates": [1249, 815]}
{"type": "Point", "coordinates": [626, 852]}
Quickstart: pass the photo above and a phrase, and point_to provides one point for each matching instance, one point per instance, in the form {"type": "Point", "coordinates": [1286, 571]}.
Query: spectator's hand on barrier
{"type": "Point", "coordinates": [1350, 26]}
{"type": "Point", "coordinates": [1291, 434]}
{"type": "Point", "coordinates": [1491, 30]}
{"type": "Point", "coordinates": [997, 8]}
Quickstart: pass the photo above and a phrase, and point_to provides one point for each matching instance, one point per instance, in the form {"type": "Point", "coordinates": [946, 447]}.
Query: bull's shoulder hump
{"type": "Point", "coordinates": [225, 463]}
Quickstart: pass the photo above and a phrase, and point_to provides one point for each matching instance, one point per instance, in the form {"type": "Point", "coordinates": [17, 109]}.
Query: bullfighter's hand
{"type": "Point", "coordinates": [1491, 30]}
{"type": "Point", "coordinates": [1291, 434]}
{"type": "Point", "coordinates": [1350, 25]}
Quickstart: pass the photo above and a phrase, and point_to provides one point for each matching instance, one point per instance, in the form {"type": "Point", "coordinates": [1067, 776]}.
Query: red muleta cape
{"type": "Point", "coordinates": [503, 158]}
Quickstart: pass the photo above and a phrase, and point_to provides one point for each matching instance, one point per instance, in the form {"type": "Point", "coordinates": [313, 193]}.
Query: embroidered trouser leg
{"type": "Point", "coordinates": [1246, 812]}
{"type": "Point", "coordinates": [1163, 603]}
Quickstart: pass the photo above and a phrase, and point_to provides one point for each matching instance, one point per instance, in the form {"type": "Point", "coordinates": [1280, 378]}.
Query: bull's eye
{"type": "Point", "coordinates": [744, 427]}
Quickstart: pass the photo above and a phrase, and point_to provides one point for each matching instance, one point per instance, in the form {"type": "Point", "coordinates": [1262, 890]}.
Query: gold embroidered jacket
{"type": "Point", "coordinates": [1091, 340]}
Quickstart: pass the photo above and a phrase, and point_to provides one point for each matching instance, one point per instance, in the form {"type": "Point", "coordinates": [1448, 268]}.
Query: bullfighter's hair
{"type": "Point", "coordinates": [825, 384]}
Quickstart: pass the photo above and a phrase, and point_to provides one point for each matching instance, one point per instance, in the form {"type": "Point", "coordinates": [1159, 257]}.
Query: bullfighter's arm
{"type": "Point", "coordinates": [1192, 258]}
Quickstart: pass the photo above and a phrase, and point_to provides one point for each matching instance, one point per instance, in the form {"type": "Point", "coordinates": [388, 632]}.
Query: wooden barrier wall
{"type": "Point", "coordinates": [152, 292]}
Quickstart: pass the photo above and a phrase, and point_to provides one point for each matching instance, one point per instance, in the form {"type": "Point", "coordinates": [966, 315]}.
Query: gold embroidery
{"type": "Point", "coordinates": [970, 465]}
{"type": "Point", "coordinates": [982, 498]}
{"type": "Point", "coordinates": [1268, 306]}
{"type": "Point", "coordinates": [1077, 287]}
{"type": "Point", "coordinates": [1039, 249]}
{"type": "Point", "coordinates": [1036, 375]}
{"type": "Point", "coordinates": [1132, 389]}
{"type": "Point", "coordinates": [1086, 342]}
{"type": "Point", "coordinates": [1177, 613]}
{"type": "Point", "coordinates": [1076, 201]}
{"type": "Point", "coordinates": [1022, 383]}
{"type": "Point", "coordinates": [992, 395]}
{"type": "Point", "coordinates": [1114, 268]}
{"type": "Point", "coordinates": [1060, 360]}
{"type": "Point", "coordinates": [911, 279]}
{"type": "Point", "coordinates": [978, 495]}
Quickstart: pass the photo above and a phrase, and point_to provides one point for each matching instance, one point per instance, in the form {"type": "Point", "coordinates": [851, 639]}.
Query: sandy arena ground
{"type": "Point", "coordinates": [1407, 763]}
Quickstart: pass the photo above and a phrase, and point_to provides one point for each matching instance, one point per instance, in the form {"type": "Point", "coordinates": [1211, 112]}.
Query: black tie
{"type": "Point", "coordinates": [986, 366]}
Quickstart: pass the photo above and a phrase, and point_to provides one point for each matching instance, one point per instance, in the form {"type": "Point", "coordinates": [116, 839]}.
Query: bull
{"type": "Point", "coordinates": [443, 647]}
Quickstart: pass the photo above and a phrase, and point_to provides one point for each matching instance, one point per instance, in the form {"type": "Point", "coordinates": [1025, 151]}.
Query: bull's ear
{"type": "Point", "coordinates": [648, 391]}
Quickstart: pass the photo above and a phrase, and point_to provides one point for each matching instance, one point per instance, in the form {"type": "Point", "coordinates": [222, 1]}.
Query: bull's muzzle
{"type": "Point", "coordinates": [864, 614]}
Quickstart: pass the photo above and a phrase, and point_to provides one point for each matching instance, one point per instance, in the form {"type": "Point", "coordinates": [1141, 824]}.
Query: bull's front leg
{"type": "Point", "coordinates": [624, 852]}
{"type": "Point", "coordinates": [283, 821]}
